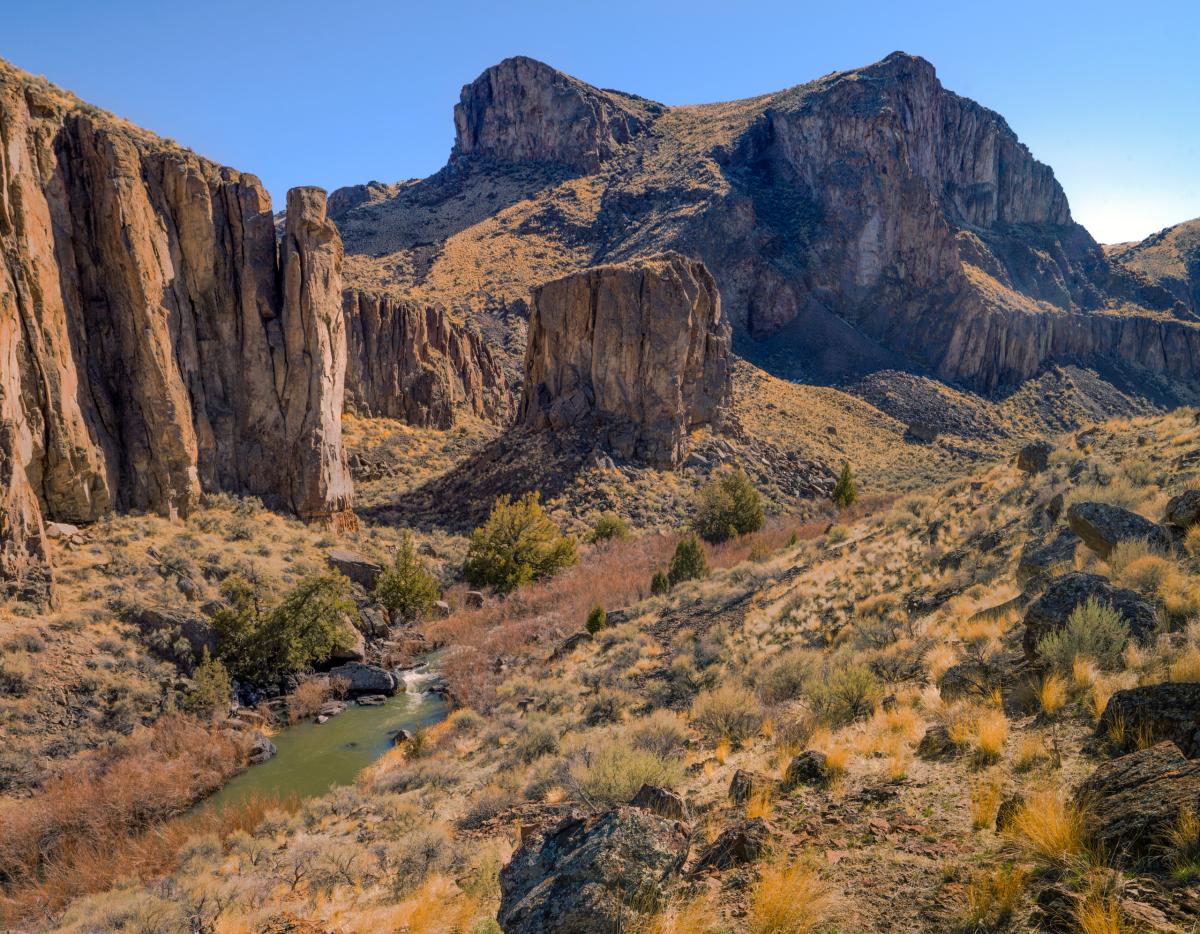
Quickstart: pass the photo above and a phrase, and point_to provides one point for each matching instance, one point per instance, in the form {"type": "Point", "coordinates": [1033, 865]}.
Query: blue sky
{"type": "Point", "coordinates": [337, 93]}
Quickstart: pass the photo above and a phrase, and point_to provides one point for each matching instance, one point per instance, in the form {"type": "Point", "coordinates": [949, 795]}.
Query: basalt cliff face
{"type": "Point", "coordinates": [156, 343]}
{"type": "Point", "coordinates": [410, 361]}
{"type": "Point", "coordinates": [869, 219]}
{"type": "Point", "coordinates": [641, 346]}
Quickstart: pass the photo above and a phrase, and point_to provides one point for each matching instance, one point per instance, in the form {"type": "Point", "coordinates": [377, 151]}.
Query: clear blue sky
{"type": "Point", "coordinates": [334, 93]}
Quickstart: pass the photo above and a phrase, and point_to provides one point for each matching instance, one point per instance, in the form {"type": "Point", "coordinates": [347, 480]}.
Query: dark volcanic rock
{"type": "Point", "coordinates": [1041, 561]}
{"type": "Point", "coordinates": [661, 801]}
{"type": "Point", "coordinates": [744, 842]}
{"type": "Point", "coordinates": [1035, 457]}
{"type": "Point", "coordinates": [365, 679]}
{"type": "Point", "coordinates": [809, 768]}
{"type": "Point", "coordinates": [1130, 803]}
{"type": "Point", "coordinates": [744, 785]}
{"type": "Point", "coordinates": [973, 679]}
{"type": "Point", "coordinates": [588, 873]}
{"type": "Point", "coordinates": [1102, 526]}
{"type": "Point", "coordinates": [1183, 510]}
{"type": "Point", "coordinates": [358, 567]}
{"type": "Point", "coordinates": [1152, 713]}
{"type": "Point", "coordinates": [1050, 611]}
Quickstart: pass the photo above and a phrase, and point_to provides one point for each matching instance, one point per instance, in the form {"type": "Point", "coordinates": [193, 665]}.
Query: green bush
{"type": "Point", "coordinates": [844, 694]}
{"type": "Point", "coordinates": [659, 584]}
{"type": "Point", "coordinates": [728, 506]}
{"type": "Point", "coordinates": [1094, 631]}
{"type": "Point", "coordinates": [728, 712]}
{"type": "Point", "coordinates": [689, 561]}
{"type": "Point", "coordinates": [519, 543]}
{"type": "Point", "coordinates": [845, 491]}
{"type": "Point", "coordinates": [262, 646]}
{"type": "Point", "coordinates": [785, 677]}
{"type": "Point", "coordinates": [609, 527]}
{"type": "Point", "coordinates": [612, 771]}
{"type": "Point", "coordinates": [595, 619]}
{"type": "Point", "coordinates": [406, 589]}
{"type": "Point", "coordinates": [211, 688]}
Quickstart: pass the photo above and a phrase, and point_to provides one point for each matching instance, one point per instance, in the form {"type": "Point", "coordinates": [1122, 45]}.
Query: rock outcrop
{"type": "Point", "coordinates": [411, 362]}
{"type": "Point", "coordinates": [643, 345]}
{"type": "Point", "coordinates": [590, 874]}
{"type": "Point", "coordinates": [524, 111]}
{"type": "Point", "coordinates": [1051, 611]}
{"type": "Point", "coordinates": [1102, 526]}
{"type": "Point", "coordinates": [1152, 713]}
{"type": "Point", "coordinates": [156, 343]}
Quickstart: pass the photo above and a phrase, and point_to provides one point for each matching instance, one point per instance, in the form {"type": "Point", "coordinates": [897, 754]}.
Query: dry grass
{"type": "Point", "coordinates": [985, 802]}
{"type": "Point", "coordinates": [1052, 694]}
{"type": "Point", "coordinates": [1048, 828]}
{"type": "Point", "coordinates": [993, 895]}
{"type": "Point", "coordinates": [1187, 666]}
{"type": "Point", "coordinates": [788, 899]}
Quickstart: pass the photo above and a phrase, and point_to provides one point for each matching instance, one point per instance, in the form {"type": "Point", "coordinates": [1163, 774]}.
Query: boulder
{"type": "Point", "coordinates": [936, 744]}
{"type": "Point", "coordinates": [1054, 508]}
{"type": "Point", "coordinates": [353, 647]}
{"type": "Point", "coordinates": [1035, 457]}
{"type": "Point", "coordinates": [1183, 510]}
{"type": "Point", "coordinates": [370, 700]}
{"type": "Point", "coordinates": [651, 392]}
{"type": "Point", "coordinates": [809, 768]}
{"type": "Point", "coordinates": [744, 842]}
{"type": "Point", "coordinates": [970, 679]}
{"type": "Point", "coordinates": [1102, 526]}
{"type": "Point", "coordinates": [261, 749]}
{"type": "Point", "coordinates": [744, 785]}
{"type": "Point", "coordinates": [473, 599]}
{"type": "Point", "coordinates": [1041, 561]}
{"type": "Point", "coordinates": [1007, 811]}
{"type": "Point", "coordinates": [590, 873]}
{"type": "Point", "coordinates": [440, 610]}
{"type": "Point", "coordinates": [1049, 613]}
{"type": "Point", "coordinates": [365, 679]}
{"type": "Point", "coordinates": [1152, 713]}
{"type": "Point", "coordinates": [1130, 803]}
{"type": "Point", "coordinates": [570, 644]}
{"type": "Point", "coordinates": [661, 801]}
{"type": "Point", "coordinates": [923, 432]}
{"type": "Point", "coordinates": [358, 567]}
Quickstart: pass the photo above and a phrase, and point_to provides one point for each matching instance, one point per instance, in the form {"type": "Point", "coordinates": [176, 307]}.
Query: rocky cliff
{"type": "Point", "coordinates": [869, 219]}
{"type": "Point", "coordinates": [410, 361]}
{"type": "Point", "coordinates": [524, 111]}
{"type": "Point", "coordinates": [1170, 259]}
{"type": "Point", "coordinates": [156, 342]}
{"type": "Point", "coordinates": [642, 346]}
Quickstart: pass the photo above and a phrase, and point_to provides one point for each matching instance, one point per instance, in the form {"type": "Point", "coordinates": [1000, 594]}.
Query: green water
{"type": "Point", "coordinates": [314, 757]}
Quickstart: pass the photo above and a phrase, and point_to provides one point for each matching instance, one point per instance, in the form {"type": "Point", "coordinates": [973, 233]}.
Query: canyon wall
{"type": "Point", "coordinates": [410, 361]}
{"type": "Point", "coordinates": [641, 345]}
{"type": "Point", "coordinates": [156, 342]}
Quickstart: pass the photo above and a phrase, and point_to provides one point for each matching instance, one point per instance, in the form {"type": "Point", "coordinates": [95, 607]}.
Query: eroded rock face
{"type": "Point", "coordinates": [524, 111]}
{"type": "Point", "coordinates": [150, 350]}
{"type": "Point", "coordinates": [641, 344]}
{"type": "Point", "coordinates": [411, 362]}
{"type": "Point", "coordinates": [589, 874]}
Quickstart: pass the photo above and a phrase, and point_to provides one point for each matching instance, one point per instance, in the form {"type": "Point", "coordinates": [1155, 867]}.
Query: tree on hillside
{"type": "Point", "coordinates": [728, 506]}
{"type": "Point", "coordinates": [689, 561]}
{"type": "Point", "coordinates": [518, 543]}
{"type": "Point", "coordinates": [261, 646]}
{"type": "Point", "coordinates": [844, 491]}
{"type": "Point", "coordinates": [406, 589]}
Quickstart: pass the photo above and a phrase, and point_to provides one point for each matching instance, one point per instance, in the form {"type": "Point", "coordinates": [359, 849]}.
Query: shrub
{"type": "Point", "coordinates": [16, 674]}
{"type": "Point", "coordinates": [728, 506]}
{"type": "Point", "coordinates": [729, 712]}
{"type": "Point", "coordinates": [406, 589]}
{"type": "Point", "coordinates": [689, 561]}
{"type": "Point", "coordinates": [609, 527]}
{"type": "Point", "coordinates": [845, 694]}
{"type": "Point", "coordinates": [211, 688]}
{"type": "Point", "coordinates": [662, 733]}
{"type": "Point", "coordinates": [613, 771]}
{"type": "Point", "coordinates": [518, 543]}
{"type": "Point", "coordinates": [845, 491]}
{"type": "Point", "coordinates": [659, 584]}
{"type": "Point", "coordinates": [539, 738]}
{"type": "Point", "coordinates": [785, 677]}
{"type": "Point", "coordinates": [595, 619]}
{"type": "Point", "coordinates": [261, 647]}
{"type": "Point", "coordinates": [1094, 630]}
